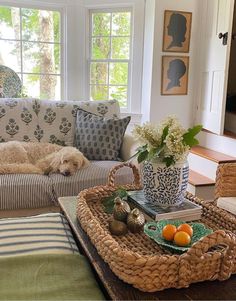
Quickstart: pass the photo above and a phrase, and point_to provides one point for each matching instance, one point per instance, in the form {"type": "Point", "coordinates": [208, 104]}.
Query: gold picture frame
{"type": "Point", "coordinates": [175, 70]}
{"type": "Point", "coordinates": [177, 31]}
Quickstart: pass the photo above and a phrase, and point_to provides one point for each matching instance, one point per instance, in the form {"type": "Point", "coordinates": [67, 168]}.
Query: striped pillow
{"type": "Point", "coordinates": [42, 234]}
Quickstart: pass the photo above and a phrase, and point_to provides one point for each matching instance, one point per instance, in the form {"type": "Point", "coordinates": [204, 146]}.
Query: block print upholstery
{"type": "Point", "coordinates": [99, 138]}
{"type": "Point", "coordinates": [46, 120]}
{"type": "Point", "coordinates": [18, 120]}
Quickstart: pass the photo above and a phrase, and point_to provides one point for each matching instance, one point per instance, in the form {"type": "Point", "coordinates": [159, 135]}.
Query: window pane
{"type": "Point", "coordinates": [9, 22]}
{"type": "Point", "coordinates": [119, 93]}
{"type": "Point", "coordinates": [118, 73]}
{"type": "Point", "coordinates": [40, 25]}
{"type": "Point", "coordinates": [41, 58]}
{"type": "Point", "coordinates": [121, 24]}
{"type": "Point", "coordinates": [101, 24]}
{"type": "Point", "coordinates": [10, 55]}
{"type": "Point", "coordinates": [42, 86]}
{"type": "Point", "coordinates": [98, 92]}
{"type": "Point", "coordinates": [99, 73]}
{"type": "Point", "coordinates": [100, 48]}
{"type": "Point", "coordinates": [120, 48]}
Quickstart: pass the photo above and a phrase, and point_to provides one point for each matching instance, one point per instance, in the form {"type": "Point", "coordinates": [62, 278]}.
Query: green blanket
{"type": "Point", "coordinates": [47, 277]}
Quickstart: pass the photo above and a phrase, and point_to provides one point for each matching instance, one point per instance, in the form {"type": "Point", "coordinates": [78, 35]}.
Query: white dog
{"type": "Point", "coordinates": [39, 158]}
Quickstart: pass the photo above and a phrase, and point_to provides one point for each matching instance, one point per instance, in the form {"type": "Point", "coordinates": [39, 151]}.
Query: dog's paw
{"type": "Point", "coordinates": [47, 171]}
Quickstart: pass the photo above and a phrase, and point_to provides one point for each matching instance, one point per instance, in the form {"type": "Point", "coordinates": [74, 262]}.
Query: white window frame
{"type": "Point", "coordinates": [110, 60]}
{"type": "Point", "coordinates": [51, 6]}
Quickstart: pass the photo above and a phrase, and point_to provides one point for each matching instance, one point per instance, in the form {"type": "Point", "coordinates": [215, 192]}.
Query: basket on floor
{"type": "Point", "coordinates": [138, 260]}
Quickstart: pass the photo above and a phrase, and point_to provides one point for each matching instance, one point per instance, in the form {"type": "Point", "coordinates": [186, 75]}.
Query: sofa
{"type": "Point", "coordinates": [55, 122]}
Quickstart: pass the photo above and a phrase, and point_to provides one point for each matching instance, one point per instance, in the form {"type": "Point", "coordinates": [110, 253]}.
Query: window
{"type": "Point", "coordinates": [30, 44]}
{"type": "Point", "coordinates": [110, 53]}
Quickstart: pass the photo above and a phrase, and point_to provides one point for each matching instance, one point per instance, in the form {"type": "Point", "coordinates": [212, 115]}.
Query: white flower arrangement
{"type": "Point", "coordinates": [169, 141]}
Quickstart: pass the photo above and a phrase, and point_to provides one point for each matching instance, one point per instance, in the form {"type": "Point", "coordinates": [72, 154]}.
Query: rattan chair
{"type": "Point", "coordinates": [225, 180]}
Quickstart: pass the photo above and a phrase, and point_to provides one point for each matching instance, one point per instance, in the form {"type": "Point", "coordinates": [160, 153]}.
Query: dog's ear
{"type": "Point", "coordinates": [56, 161]}
{"type": "Point", "coordinates": [85, 162]}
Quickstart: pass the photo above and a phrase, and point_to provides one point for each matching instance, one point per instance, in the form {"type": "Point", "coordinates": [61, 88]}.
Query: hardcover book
{"type": "Point", "coordinates": [187, 211]}
{"type": "Point", "coordinates": [227, 203]}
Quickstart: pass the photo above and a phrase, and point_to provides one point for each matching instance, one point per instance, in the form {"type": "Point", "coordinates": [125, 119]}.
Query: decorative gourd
{"type": "Point", "coordinates": [121, 210]}
{"type": "Point", "coordinates": [135, 221]}
{"type": "Point", "coordinates": [117, 227]}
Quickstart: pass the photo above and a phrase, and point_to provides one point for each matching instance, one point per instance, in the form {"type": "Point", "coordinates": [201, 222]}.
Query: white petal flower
{"type": "Point", "coordinates": [172, 144]}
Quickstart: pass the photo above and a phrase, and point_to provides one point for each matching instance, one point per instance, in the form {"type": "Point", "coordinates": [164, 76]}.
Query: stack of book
{"type": "Point", "coordinates": [227, 203]}
{"type": "Point", "coordinates": [187, 211]}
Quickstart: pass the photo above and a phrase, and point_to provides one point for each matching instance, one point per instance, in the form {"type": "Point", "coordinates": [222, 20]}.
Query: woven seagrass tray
{"type": "Point", "coordinates": [138, 260]}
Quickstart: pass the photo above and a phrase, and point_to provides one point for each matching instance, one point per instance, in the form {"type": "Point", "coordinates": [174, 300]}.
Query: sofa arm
{"type": "Point", "coordinates": [129, 146]}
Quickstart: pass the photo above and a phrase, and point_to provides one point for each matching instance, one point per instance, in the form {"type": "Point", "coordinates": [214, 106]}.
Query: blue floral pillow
{"type": "Point", "coordinates": [99, 138]}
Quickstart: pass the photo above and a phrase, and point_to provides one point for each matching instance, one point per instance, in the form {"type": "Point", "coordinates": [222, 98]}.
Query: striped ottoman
{"type": "Point", "coordinates": [45, 233]}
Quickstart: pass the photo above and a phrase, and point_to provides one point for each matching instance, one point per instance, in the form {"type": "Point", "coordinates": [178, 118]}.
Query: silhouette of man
{"type": "Point", "coordinates": [177, 29]}
{"type": "Point", "coordinates": [176, 70]}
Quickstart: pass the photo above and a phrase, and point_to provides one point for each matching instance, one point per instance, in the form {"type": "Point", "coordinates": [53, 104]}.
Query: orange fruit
{"type": "Point", "coordinates": [186, 228]}
{"type": "Point", "coordinates": [182, 239]}
{"type": "Point", "coordinates": [168, 232]}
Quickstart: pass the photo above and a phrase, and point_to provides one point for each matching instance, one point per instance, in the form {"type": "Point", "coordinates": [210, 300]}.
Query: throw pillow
{"type": "Point", "coordinates": [99, 138]}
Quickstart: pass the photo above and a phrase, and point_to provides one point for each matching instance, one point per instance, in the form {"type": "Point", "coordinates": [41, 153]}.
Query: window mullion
{"type": "Point", "coordinates": [21, 48]}
{"type": "Point", "coordinates": [90, 52]}
{"type": "Point", "coordinates": [108, 74]}
{"type": "Point", "coordinates": [109, 60]}
{"type": "Point", "coordinates": [30, 41]}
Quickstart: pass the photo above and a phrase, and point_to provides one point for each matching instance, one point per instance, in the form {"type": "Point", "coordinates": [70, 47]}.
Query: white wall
{"type": "Point", "coordinates": [155, 106]}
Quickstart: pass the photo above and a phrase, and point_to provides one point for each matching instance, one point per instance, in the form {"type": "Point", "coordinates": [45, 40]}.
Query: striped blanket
{"type": "Point", "coordinates": [41, 234]}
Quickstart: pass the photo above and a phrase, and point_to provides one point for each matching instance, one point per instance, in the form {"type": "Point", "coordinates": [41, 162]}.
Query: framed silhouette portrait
{"type": "Point", "coordinates": [174, 75]}
{"type": "Point", "coordinates": [177, 31]}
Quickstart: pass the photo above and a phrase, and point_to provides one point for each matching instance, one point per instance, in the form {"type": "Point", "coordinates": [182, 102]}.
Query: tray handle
{"type": "Point", "coordinates": [137, 180]}
{"type": "Point", "coordinates": [218, 237]}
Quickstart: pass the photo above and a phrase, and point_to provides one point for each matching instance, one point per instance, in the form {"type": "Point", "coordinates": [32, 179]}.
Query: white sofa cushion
{"type": "Point", "coordinates": [18, 119]}
{"type": "Point", "coordinates": [27, 191]}
{"type": "Point", "coordinates": [24, 191]}
{"type": "Point", "coordinates": [56, 121]}
{"type": "Point", "coordinates": [57, 118]}
{"type": "Point", "coordinates": [95, 174]}
{"type": "Point", "coordinates": [47, 120]}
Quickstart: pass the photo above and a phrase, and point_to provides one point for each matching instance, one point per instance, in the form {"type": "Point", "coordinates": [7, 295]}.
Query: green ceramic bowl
{"type": "Point", "coordinates": [154, 231]}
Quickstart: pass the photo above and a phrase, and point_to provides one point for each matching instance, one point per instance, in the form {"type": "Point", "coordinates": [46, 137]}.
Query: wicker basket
{"type": "Point", "coordinates": [225, 180]}
{"type": "Point", "coordinates": [138, 260]}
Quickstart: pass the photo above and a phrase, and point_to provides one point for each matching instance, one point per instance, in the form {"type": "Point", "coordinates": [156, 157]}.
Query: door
{"type": "Point", "coordinates": [217, 16]}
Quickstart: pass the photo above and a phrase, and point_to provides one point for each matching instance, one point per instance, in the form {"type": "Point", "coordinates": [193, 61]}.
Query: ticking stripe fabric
{"type": "Point", "coordinates": [21, 191]}
{"type": "Point", "coordinates": [95, 174]}
{"type": "Point", "coordinates": [18, 191]}
{"type": "Point", "coordinates": [42, 234]}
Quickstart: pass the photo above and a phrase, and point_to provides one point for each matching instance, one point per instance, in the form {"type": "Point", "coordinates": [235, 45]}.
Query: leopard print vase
{"type": "Point", "coordinates": [163, 185]}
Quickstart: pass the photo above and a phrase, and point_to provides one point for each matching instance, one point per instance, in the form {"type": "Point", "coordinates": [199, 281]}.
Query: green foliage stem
{"type": "Point", "coordinates": [108, 203]}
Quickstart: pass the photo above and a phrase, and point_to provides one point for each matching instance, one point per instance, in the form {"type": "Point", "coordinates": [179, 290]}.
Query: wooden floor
{"type": "Point", "coordinates": [229, 134]}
